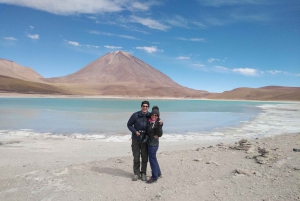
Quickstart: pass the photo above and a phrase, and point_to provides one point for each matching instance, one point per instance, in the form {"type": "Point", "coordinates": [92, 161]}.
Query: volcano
{"type": "Point", "coordinates": [119, 73]}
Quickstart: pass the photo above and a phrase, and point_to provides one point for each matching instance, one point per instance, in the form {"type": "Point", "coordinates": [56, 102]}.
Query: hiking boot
{"type": "Point", "coordinates": [136, 177]}
{"type": "Point", "coordinates": [150, 181]}
{"type": "Point", "coordinates": [144, 178]}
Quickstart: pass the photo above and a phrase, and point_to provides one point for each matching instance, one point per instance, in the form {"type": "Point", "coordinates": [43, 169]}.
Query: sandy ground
{"type": "Point", "coordinates": [47, 169]}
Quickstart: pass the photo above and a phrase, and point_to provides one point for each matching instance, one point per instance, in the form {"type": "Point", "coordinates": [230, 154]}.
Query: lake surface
{"type": "Point", "coordinates": [107, 118]}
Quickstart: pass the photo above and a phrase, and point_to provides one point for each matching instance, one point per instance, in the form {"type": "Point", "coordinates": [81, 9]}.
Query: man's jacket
{"type": "Point", "coordinates": [138, 122]}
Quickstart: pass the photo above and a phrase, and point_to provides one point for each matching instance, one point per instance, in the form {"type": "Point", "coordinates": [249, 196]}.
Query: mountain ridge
{"type": "Point", "coordinates": [121, 74]}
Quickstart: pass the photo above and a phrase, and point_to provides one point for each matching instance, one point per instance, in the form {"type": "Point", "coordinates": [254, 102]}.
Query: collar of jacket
{"type": "Point", "coordinates": [141, 114]}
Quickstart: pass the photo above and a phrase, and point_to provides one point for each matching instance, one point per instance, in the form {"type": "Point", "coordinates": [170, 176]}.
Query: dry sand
{"type": "Point", "coordinates": [41, 168]}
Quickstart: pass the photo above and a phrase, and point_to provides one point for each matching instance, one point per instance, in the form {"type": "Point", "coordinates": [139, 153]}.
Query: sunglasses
{"type": "Point", "coordinates": [154, 115]}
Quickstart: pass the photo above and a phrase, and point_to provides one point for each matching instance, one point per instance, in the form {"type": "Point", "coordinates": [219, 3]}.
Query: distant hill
{"type": "Point", "coordinates": [9, 84]}
{"type": "Point", "coordinates": [275, 93]}
{"type": "Point", "coordinates": [12, 69]}
{"type": "Point", "coordinates": [121, 74]}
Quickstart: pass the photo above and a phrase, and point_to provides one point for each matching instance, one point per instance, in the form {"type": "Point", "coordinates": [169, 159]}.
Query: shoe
{"type": "Point", "coordinates": [144, 178]}
{"type": "Point", "coordinates": [296, 150]}
{"type": "Point", "coordinates": [136, 177]}
{"type": "Point", "coordinates": [160, 176]}
{"type": "Point", "coordinates": [150, 181]}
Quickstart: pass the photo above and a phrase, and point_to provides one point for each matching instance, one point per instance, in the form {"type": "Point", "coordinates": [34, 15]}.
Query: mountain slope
{"type": "Point", "coordinates": [263, 93]}
{"type": "Point", "coordinates": [9, 84]}
{"type": "Point", "coordinates": [117, 67]}
{"type": "Point", "coordinates": [119, 73]}
{"type": "Point", "coordinates": [14, 70]}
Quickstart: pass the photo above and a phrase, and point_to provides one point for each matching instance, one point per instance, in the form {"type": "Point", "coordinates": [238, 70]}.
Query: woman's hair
{"type": "Point", "coordinates": [155, 107]}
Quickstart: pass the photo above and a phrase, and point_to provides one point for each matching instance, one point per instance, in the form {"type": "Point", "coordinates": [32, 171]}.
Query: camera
{"type": "Point", "coordinates": [145, 140]}
{"type": "Point", "coordinates": [143, 137]}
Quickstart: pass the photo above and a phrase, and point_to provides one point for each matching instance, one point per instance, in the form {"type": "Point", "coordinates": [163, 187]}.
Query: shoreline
{"type": "Point", "coordinates": [18, 95]}
{"type": "Point", "coordinates": [72, 169]}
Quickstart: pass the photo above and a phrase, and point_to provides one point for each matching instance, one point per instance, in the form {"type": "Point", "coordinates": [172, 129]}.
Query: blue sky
{"type": "Point", "coordinates": [213, 45]}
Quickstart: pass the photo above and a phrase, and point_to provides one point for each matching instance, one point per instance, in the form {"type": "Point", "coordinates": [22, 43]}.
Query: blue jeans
{"type": "Point", "coordinates": [153, 162]}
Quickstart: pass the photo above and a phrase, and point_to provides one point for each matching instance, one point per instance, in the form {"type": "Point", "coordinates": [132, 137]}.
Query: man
{"type": "Point", "coordinates": [137, 124]}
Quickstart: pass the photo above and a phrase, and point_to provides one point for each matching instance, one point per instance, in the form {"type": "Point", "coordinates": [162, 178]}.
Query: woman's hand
{"type": "Point", "coordinates": [155, 136]}
{"type": "Point", "coordinates": [161, 122]}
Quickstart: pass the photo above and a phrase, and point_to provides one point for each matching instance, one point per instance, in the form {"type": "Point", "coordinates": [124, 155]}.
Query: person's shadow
{"type": "Point", "coordinates": [112, 171]}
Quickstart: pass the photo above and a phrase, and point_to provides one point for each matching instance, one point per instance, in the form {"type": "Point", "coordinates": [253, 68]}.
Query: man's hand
{"type": "Point", "coordinates": [155, 136]}
{"type": "Point", "coordinates": [137, 133]}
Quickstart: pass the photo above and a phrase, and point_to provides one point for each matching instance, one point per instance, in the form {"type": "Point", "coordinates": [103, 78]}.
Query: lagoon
{"type": "Point", "coordinates": [106, 119]}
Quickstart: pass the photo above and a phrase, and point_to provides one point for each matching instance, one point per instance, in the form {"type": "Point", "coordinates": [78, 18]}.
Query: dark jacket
{"type": "Point", "coordinates": [153, 130]}
{"type": "Point", "coordinates": [138, 121]}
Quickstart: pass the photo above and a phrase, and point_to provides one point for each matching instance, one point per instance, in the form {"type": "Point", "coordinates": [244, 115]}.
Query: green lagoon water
{"type": "Point", "coordinates": [108, 117]}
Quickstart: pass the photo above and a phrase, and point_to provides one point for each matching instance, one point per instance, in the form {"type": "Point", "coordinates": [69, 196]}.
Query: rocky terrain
{"type": "Point", "coordinates": [266, 169]}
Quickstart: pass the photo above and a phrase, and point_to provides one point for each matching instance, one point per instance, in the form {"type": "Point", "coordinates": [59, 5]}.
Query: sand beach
{"type": "Point", "coordinates": [47, 168]}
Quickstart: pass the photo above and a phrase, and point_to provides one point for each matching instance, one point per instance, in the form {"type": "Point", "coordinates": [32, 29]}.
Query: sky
{"type": "Point", "coordinates": [212, 45]}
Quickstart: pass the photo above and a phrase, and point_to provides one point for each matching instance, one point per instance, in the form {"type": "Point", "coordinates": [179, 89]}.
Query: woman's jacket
{"type": "Point", "coordinates": [154, 128]}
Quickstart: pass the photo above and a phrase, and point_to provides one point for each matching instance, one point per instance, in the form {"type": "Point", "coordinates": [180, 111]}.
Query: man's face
{"type": "Point", "coordinates": [144, 108]}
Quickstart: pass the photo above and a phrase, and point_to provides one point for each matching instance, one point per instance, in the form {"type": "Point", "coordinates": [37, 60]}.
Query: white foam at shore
{"type": "Point", "coordinates": [275, 119]}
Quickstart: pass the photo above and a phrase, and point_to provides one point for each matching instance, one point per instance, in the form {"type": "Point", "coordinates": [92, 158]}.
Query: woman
{"type": "Point", "coordinates": [154, 131]}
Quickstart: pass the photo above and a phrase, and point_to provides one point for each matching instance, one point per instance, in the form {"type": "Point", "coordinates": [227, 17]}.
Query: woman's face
{"type": "Point", "coordinates": [154, 117]}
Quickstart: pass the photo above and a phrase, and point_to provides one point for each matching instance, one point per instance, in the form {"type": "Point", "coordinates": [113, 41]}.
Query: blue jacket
{"type": "Point", "coordinates": [138, 121]}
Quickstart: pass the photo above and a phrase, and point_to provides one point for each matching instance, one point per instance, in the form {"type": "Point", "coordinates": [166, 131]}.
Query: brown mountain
{"type": "Point", "coordinates": [10, 84]}
{"type": "Point", "coordinates": [276, 93]}
{"type": "Point", "coordinates": [119, 73]}
{"type": "Point", "coordinates": [12, 69]}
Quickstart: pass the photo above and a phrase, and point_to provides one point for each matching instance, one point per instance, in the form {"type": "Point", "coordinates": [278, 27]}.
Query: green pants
{"type": "Point", "coordinates": [139, 150]}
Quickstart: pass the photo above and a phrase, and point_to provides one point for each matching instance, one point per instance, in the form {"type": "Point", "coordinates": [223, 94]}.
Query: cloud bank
{"type": "Point", "coordinates": [69, 7]}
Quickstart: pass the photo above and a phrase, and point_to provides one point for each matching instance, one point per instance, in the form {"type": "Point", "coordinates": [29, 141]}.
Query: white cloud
{"type": "Point", "coordinates": [273, 72]}
{"type": "Point", "coordinates": [298, 74]}
{"type": "Point", "coordinates": [31, 27]}
{"type": "Point", "coordinates": [112, 47]}
{"type": "Point", "coordinates": [149, 49]}
{"type": "Point", "coordinates": [222, 68]}
{"type": "Point", "coordinates": [178, 21]}
{"type": "Point", "coordinates": [69, 7]}
{"type": "Point", "coordinates": [199, 65]}
{"type": "Point", "coordinates": [148, 22]}
{"type": "Point", "coordinates": [210, 60]}
{"type": "Point", "coordinates": [140, 6]}
{"type": "Point", "coordinates": [92, 46]}
{"type": "Point", "coordinates": [77, 44]}
{"type": "Point", "coordinates": [192, 39]}
{"type": "Point", "coordinates": [73, 43]}
{"type": "Point", "coordinates": [183, 58]}
{"type": "Point", "coordinates": [199, 24]}
{"type": "Point", "coordinates": [245, 71]}
{"type": "Point", "coordinates": [111, 34]}
{"type": "Point", "coordinates": [33, 36]}
{"type": "Point", "coordinates": [10, 38]}
{"type": "Point", "coordinates": [218, 3]}
{"type": "Point", "coordinates": [128, 37]}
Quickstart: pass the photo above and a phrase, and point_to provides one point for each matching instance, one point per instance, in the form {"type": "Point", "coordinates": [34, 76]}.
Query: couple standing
{"type": "Point", "coordinates": [146, 129]}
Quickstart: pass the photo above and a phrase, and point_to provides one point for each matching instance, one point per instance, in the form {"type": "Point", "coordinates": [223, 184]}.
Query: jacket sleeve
{"type": "Point", "coordinates": [159, 131]}
{"type": "Point", "coordinates": [131, 122]}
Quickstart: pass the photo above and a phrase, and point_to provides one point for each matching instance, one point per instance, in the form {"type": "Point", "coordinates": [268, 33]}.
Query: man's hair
{"type": "Point", "coordinates": [145, 102]}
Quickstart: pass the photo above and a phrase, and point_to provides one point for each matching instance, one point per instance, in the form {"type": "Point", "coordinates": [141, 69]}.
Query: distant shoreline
{"type": "Point", "coordinates": [18, 95]}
